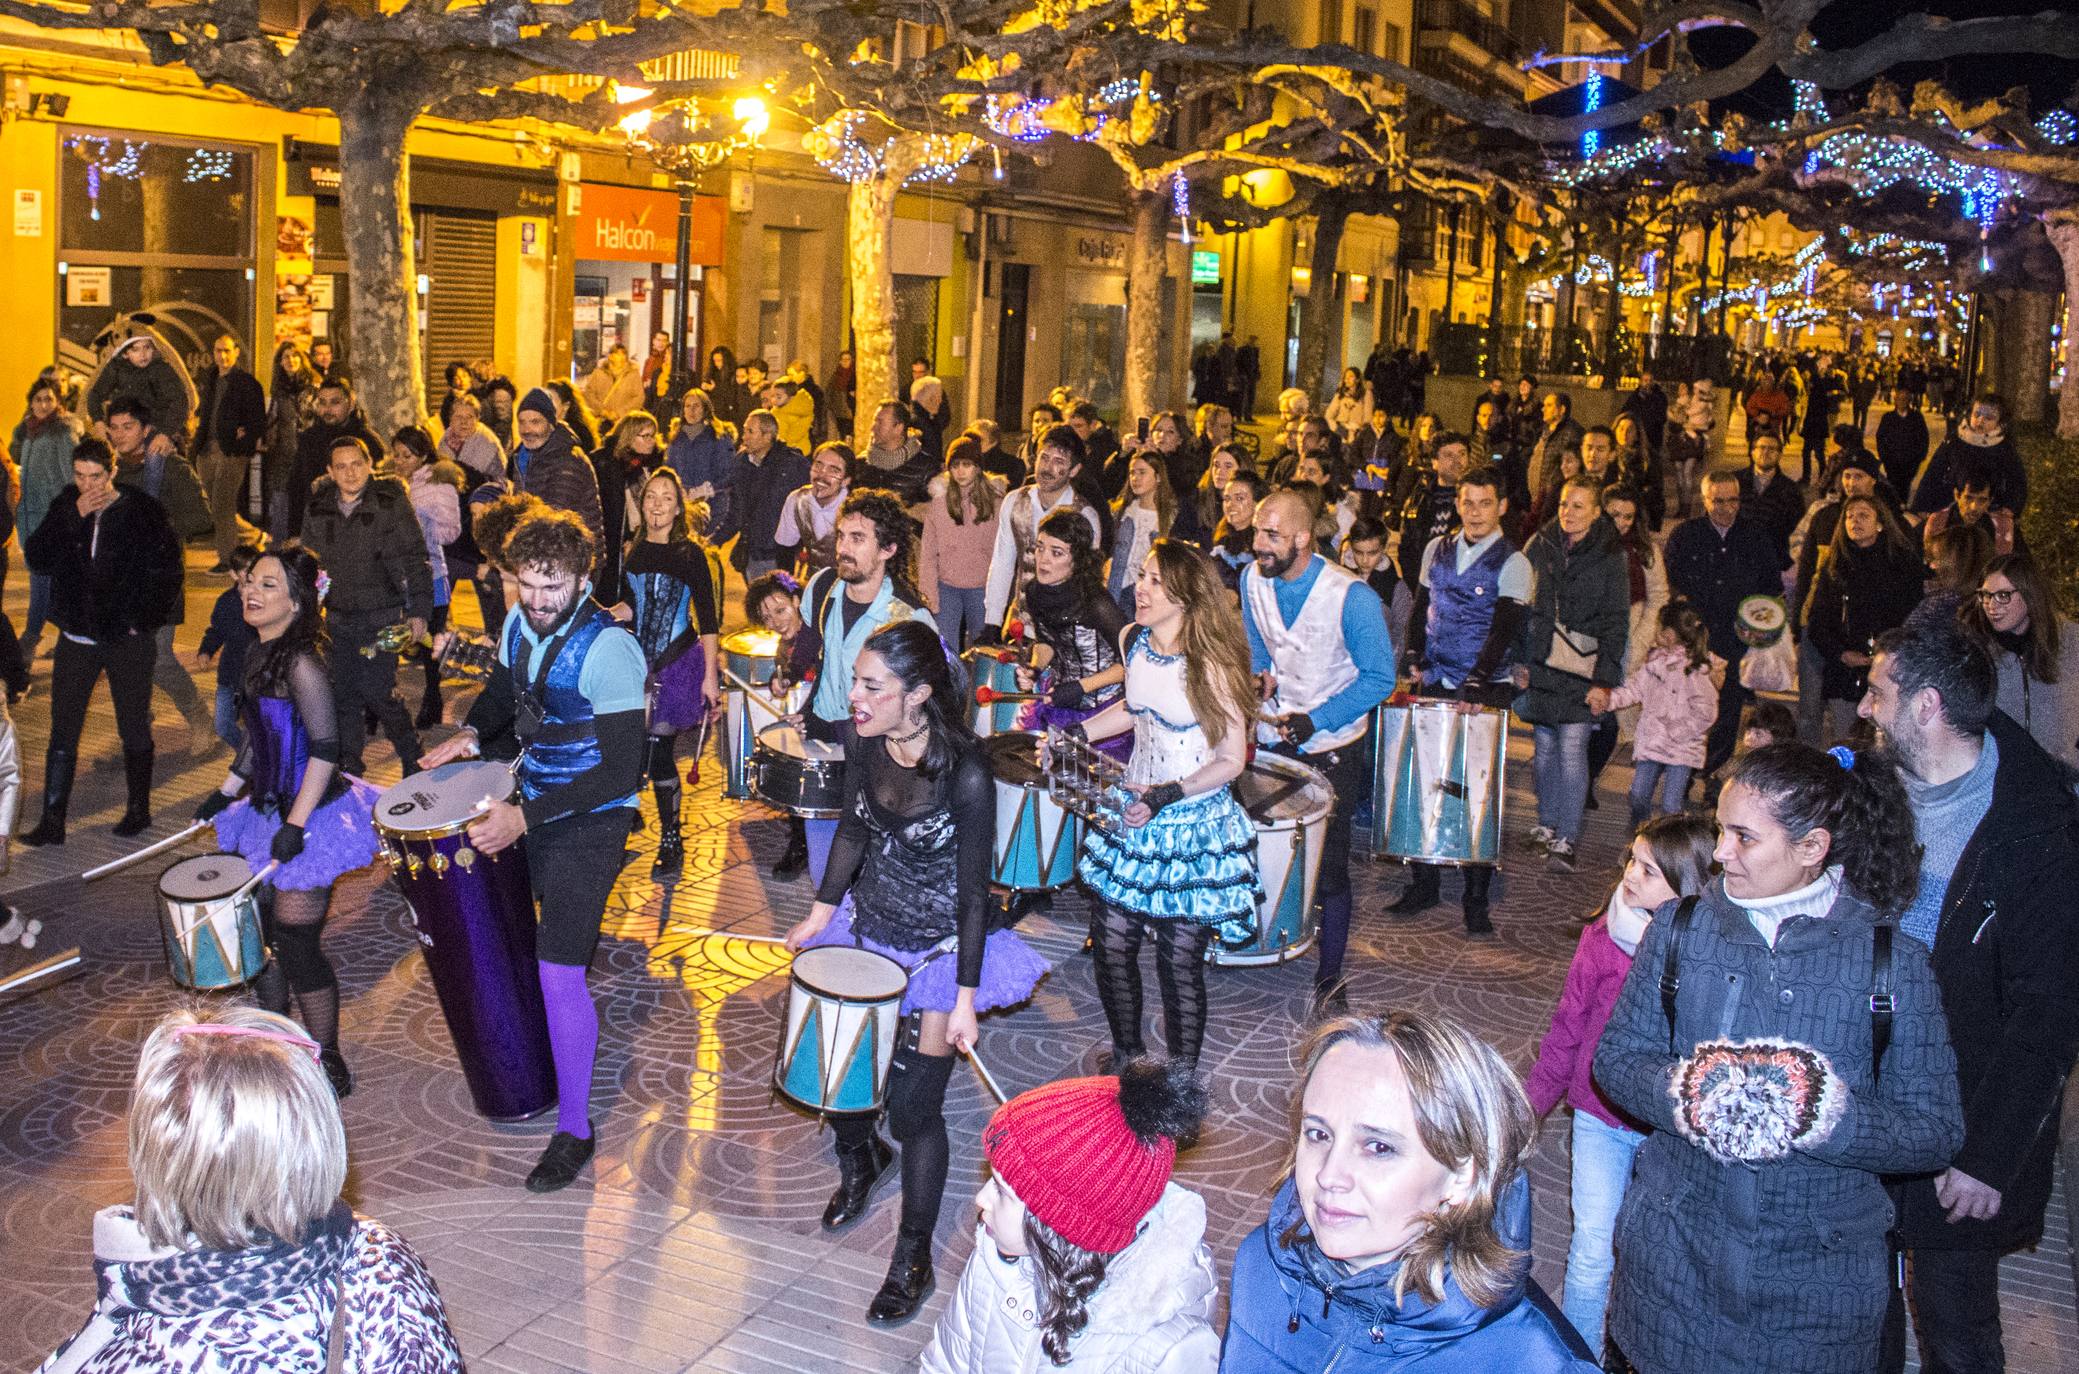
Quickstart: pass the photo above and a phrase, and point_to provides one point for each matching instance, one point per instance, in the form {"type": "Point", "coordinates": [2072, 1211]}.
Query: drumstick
{"type": "Point", "coordinates": [988, 696]}
{"type": "Point", "coordinates": [22, 979]}
{"type": "Point", "coordinates": [258, 878]}
{"type": "Point", "coordinates": [988, 1079]}
{"type": "Point", "coordinates": [170, 842]}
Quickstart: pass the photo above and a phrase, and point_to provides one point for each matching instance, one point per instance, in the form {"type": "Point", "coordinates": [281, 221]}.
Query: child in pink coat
{"type": "Point", "coordinates": [1671, 857]}
{"type": "Point", "coordinates": [1676, 689]}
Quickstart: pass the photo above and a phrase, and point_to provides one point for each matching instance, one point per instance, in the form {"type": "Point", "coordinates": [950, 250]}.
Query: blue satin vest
{"type": "Point", "coordinates": [567, 744]}
{"type": "Point", "coordinates": [1461, 609]}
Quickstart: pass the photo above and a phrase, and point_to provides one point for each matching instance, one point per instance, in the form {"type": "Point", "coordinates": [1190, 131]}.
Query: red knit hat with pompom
{"type": "Point", "coordinates": [1091, 1156]}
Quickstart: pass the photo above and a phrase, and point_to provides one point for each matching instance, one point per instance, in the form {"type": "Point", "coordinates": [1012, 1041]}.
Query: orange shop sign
{"type": "Point", "coordinates": [632, 224]}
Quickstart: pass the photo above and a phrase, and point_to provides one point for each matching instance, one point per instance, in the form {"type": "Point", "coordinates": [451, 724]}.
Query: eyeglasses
{"type": "Point", "coordinates": [1991, 598]}
{"type": "Point", "coordinates": [254, 1033]}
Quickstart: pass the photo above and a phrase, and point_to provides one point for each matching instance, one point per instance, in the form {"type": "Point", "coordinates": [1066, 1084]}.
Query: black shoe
{"type": "Point", "coordinates": [1420, 896]}
{"type": "Point", "coordinates": [137, 776]}
{"type": "Point", "coordinates": [560, 1163]}
{"type": "Point", "coordinates": [334, 1064]}
{"type": "Point", "coordinates": [857, 1174]}
{"type": "Point", "coordinates": [908, 1284]}
{"type": "Point", "coordinates": [671, 855]}
{"type": "Point", "coordinates": [58, 766]}
{"type": "Point", "coordinates": [794, 862]}
{"type": "Point", "coordinates": [1477, 926]}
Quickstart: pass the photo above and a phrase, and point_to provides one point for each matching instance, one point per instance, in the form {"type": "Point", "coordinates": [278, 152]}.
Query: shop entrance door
{"type": "Point", "coordinates": [1015, 284]}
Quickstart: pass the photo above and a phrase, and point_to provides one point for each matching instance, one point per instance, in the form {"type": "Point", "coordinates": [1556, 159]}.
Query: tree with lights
{"type": "Point", "coordinates": [381, 70]}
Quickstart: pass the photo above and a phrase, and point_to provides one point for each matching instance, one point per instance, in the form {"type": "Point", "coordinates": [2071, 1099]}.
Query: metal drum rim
{"type": "Point", "coordinates": [167, 871]}
{"type": "Point", "coordinates": [432, 832]}
{"type": "Point", "coordinates": [849, 999]}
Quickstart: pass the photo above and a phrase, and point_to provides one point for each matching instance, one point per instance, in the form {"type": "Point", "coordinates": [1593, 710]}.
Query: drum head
{"type": "Point", "coordinates": [753, 643]}
{"type": "Point", "coordinates": [204, 878]}
{"type": "Point", "coordinates": [444, 797]}
{"type": "Point", "coordinates": [1763, 614]}
{"type": "Point", "coordinates": [1014, 758]}
{"type": "Point", "coordinates": [857, 975]}
{"type": "Point", "coordinates": [782, 739]}
{"type": "Point", "coordinates": [1274, 788]}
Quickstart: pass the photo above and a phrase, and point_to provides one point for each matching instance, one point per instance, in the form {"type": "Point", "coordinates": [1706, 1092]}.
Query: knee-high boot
{"type": "Point", "coordinates": [137, 773]}
{"type": "Point", "coordinates": [58, 768]}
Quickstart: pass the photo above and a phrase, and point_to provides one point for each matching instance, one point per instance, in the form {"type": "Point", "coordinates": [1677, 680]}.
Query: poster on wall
{"type": "Point", "coordinates": [28, 213]}
{"type": "Point", "coordinates": [88, 285]}
{"type": "Point", "coordinates": [321, 291]}
{"type": "Point", "coordinates": [321, 324]}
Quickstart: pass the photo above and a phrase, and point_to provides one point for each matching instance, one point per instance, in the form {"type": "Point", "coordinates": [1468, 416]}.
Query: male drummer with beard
{"type": "Point", "coordinates": [876, 553]}
{"type": "Point", "coordinates": [1475, 589]}
{"type": "Point", "coordinates": [1323, 659]}
{"type": "Point", "coordinates": [570, 694]}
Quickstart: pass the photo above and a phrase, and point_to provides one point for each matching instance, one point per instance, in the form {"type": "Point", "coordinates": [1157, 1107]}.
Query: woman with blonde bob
{"type": "Point", "coordinates": [1402, 1238]}
{"type": "Point", "coordinates": [238, 1252]}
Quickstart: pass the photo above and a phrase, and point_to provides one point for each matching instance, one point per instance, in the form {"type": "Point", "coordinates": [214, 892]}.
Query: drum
{"type": "Point", "coordinates": [1437, 782]}
{"type": "Point", "coordinates": [1036, 841]}
{"type": "Point", "coordinates": [844, 1016]}
{"type": "Point", "coordinates": [999, 717]}
{"type": "Point", "coordinates": [1289, 802]}
{"type": "Point", "coordinates": [475, 918]}
{"type": "Point", "coordinates": [748, 660]}
{"type": "Point", "coordinates": [1761, 620]}
{"type": "Point", "coordinates": [211, 941]}
{"type": "Point", "coordinates": [798, 774]}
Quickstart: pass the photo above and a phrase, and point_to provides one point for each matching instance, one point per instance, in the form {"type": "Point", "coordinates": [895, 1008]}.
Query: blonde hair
{"type": "Point", "coordinates": [1469, 1107]}
{"type": "Point", "coordinates": [235, 1140]}
{"type": "Point", "coordinates": [1217, 679]}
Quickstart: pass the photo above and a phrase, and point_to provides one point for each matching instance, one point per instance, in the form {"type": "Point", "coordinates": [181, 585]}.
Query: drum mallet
{"type": "Point", "coordinates": [170, 842]}
{"type": "Point", "coordinates": [45, 973]}
{"type": "Point", "coordinates": [988, 1079]}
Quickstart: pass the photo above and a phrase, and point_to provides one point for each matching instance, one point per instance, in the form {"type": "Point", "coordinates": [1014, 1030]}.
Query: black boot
{"type": "Point", "coordinates": [909, 1281]}
{"type": "Point", "coordinates": [1477, 879]}
{"type": "Point", "coordinates": [671, 845]}
{"type": "Point", "coordinates": [137, 772]}
{"type": "Point", "coordinates": [1424, 890]}
{"type": "Point", "coordinates": [857, 1173]}
{"type": "Point", "coordinates": [58, 765]}
{"type": "Point", "coordinates": [794, 862]}
{"type": "Point", "coordinates": [336, 1071]}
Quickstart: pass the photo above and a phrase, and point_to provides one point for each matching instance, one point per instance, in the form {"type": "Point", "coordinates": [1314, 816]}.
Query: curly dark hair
{"type": "Point", "coordinates": [892, 528]}
{"type": "Point", "coordinates": [494, 523]}
{"type": "Point", "coordinates": [1069, 526]}
{"type": "Point", "coordinates": [552, 539]}
{"type": "Point", "coordinates": [268, 665]}
{"type": "Point", "coordinates": [1863, 809]}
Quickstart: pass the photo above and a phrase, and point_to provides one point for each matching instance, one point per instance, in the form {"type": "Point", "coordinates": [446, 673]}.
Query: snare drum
{"type": "Point", "coordinates": [211, 941]}
{"type": "Point", "coordinates": [1290, 803]}
{"type": "Point", "coordinates": [999, 717]}
{"type": "Point", "coordinates": [475, 918]}
{"type": "Point", "coordinates": [1760, 621]}
{"type": "Point", "coordinates": [748, 660]}
{"type": "Point", "coordinates": [1036, 841]}
{"type": "Point", "coordinates": [798, 774]}
{"type": "Point", "coordinates": [844, 1016]}
{"type": "Point", "coordinates": [1437, 782]}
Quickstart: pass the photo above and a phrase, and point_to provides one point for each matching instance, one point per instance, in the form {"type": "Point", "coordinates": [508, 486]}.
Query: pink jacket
{"type": "Point", "coordinates": [1567, 1056]}
{"type": "Point", "coordinates": [955, 554]}
{"type": "Point", "coordinates": [1676, 705]}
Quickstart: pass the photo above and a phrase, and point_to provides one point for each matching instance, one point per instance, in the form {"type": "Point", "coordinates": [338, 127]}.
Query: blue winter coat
{"type": "Point", "coordinates": [1294, 1311]}
{"type": "Point", "coordinates": [709, 460]}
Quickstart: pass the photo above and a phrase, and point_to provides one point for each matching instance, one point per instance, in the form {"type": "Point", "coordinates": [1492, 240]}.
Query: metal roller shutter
{"type": "Point", "coordinates": [459, 255]}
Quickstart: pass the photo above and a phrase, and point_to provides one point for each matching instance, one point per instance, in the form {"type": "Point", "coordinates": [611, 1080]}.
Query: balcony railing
{"type": "Point", "coordinates": [1455, 16]}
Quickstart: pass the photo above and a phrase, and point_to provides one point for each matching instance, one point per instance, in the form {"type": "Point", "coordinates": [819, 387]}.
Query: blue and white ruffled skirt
{"type": "Point", "coordinates": [1195, 860]}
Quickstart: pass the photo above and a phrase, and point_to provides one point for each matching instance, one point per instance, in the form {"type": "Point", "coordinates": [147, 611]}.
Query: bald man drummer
{"type": "Point", "coordinates": [1324, 658]}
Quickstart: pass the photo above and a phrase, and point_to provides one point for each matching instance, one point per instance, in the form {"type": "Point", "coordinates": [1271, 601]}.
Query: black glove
{"type": "Point", "coordinates": [1471, 688]}
{"type": "Point", "coordinates": [1067, 694]}
{"type": "Point", "coordinates": [212, 804]}
{"type": "Point", "coordinates": [1297, 728]}
{"type": "Point", "coordinates": [1161, 795]}
{"type": "Point", "coordinates": [288, 843]}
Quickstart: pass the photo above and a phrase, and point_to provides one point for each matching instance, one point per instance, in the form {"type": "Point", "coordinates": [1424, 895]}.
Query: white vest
{"type": "Point", "coordinates": [1308, 656]}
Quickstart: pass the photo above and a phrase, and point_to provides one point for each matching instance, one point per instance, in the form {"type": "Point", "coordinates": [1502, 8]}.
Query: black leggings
{"type": "Point", "coordinates": [293, 923]}
{"type": "Point", "coordinates": [128, 663]}
{"type": "Point", "coordinates": [917, 1119]}
{"type": "Point", "coordinates": [1180, 971]}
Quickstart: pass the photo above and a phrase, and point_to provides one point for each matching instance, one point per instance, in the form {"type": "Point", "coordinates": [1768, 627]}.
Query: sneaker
{"type": "Point", "coordinates": [1541, 838]}
{"type": "Point", "coordinates": [1560, 856]}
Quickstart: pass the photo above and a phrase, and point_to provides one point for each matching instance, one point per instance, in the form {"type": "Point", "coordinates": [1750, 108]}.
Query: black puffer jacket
{"type": "Point", "coordinates": [129, 579]}
{"type": "Point", "coordinates": [375, 556]}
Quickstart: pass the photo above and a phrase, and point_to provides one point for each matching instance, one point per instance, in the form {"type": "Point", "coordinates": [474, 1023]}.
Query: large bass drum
{"type": "Point", "coordinates": [1437, 782]}
{"type": "Point", "coordinates": [475, 917]}
{"type": "Point", "coordinates": [1289, 803]}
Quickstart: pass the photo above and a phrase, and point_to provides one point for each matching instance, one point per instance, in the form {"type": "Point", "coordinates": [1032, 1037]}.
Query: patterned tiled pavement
{"type": "Point", "coordinates": [692, 1242]}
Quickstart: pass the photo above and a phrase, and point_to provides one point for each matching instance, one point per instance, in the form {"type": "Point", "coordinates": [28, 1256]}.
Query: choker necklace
{"type": "Point", "coordinates": [923, 729]}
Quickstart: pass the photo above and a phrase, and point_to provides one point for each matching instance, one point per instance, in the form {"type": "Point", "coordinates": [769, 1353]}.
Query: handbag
{"type": "Point", "coordinates": [1571, 653]}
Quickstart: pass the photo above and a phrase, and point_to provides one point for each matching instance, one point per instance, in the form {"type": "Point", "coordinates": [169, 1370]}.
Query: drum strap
{"type": "Point", "coordinates": [532, 713]}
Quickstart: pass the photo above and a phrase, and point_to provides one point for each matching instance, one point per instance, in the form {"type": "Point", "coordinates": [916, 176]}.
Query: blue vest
{"type": "Point", "coordinates": [1461, 608]}
{"type": "Point", "coordinates": [567, 744]}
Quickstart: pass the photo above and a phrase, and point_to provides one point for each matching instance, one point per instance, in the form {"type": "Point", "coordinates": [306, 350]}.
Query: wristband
{"type": "Point", "coordinates": [1162, 794]}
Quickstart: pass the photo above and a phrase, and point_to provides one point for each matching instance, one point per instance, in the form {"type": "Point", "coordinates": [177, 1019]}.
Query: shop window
{"type": "Point", "coordinates": [1093, 338]}
{"type": "Point", "coordinates": [916, 324]}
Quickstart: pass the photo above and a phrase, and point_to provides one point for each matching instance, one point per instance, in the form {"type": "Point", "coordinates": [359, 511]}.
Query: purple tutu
{"type": "Point", "coordinates": [1042, 715]}
{"type": "Point", "coordinates": [675, 701]}
{"type": "Point", "coordinates": [1011, 969]}
{"type": "Point", "coordinates": [340, 838]}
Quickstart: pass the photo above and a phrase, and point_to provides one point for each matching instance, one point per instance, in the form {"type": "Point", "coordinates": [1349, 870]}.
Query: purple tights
{"type": "Point", "coordinates": [574, 1041]}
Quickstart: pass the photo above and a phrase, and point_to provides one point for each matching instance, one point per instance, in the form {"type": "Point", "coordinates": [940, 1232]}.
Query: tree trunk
{"type": "Point", "coordinates": [2020, 368]}
{"type": "Point", "coordinates": [374, 183]}
{"type": "Point", "coordinates": [2064, 236]}
{"type": "Point", "coordinates": [1331, 214]}
{"type": "Point", "coordinates": [1147, 263]}
{"type": "Point", "coordinates": [870, 237]}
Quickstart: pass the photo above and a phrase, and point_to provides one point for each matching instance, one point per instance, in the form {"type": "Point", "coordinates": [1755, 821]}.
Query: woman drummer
{"type": "Point", "coordinates": [1183, 866]}
{"type": "Point", "coordinates": [908, 878]}
{"type": "Point", "coordinates": [669, 598]}
{"type": "Point", "coordinates": [285, 800]}
{"type": "Point", "coordinates": [1076, 624]}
